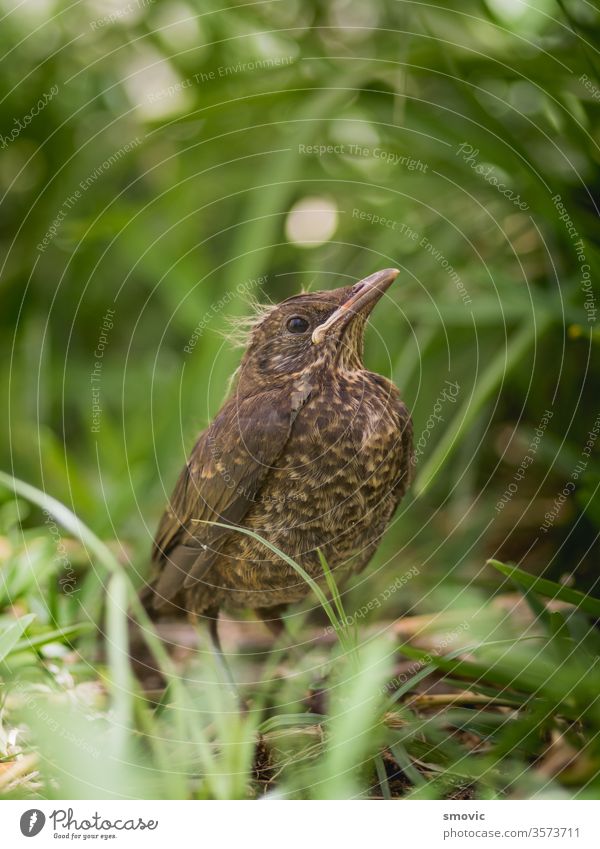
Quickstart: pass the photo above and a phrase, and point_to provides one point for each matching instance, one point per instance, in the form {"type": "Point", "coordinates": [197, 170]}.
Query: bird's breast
{"type": "Point", "coordinates": [341, 463]}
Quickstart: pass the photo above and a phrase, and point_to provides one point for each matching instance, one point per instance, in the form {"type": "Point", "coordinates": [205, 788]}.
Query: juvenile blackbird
{"type": "Point", "coordinates": [310, 450]}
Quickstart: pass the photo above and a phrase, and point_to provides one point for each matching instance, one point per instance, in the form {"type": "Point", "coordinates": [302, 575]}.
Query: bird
{"type": "Point", "coordinates": [310, 452]}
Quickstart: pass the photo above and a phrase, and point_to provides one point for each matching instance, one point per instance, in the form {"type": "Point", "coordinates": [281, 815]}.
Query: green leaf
{"type": "Point", "coordinates": [404, 762]}
{"type": "Point", "coordinates": [290, 720]}
{"type": "Point", "coordinates": [56, 635]}
{"type": "Point", "coordinates": [491, 380]}
{"type": "Point", "coordinates": [10, 637]}
{"type": "Point", "coordinates": [550, 589]}
{"type": "Point", "coordinates": [382, 777]}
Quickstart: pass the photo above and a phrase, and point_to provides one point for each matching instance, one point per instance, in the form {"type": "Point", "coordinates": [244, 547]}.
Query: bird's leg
{"type": "Point", "coordinates": [212, 616]}
{"type": "Point", "coordinates": [280, 647]}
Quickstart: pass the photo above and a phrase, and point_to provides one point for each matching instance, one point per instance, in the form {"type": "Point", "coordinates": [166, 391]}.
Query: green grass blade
{"type": "Point", "coordinates": [188, 726]}
{"type": "Point", "coordinates": [117, 639]}
{"type": "Point", "coordinates": [333, 587]}
{"type": "Point", "coordinates": [550, 589]}
{"type": "Point", "coordinates": [10, 638]}
{"type": "Point", "coordinates": [287, 559]}
{"type": "Point", "coordinates": [56, 635]}
{"type": "Point", "coordinates": [491, 378]}
{"type": "Point", "coordinates": [382, 777]}
{"type": "Point", "coordinates": [404, 762]}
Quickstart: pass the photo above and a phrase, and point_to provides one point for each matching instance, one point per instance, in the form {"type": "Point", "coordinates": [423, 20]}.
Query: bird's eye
{"type": "Point", "coordinates": [297, 324]}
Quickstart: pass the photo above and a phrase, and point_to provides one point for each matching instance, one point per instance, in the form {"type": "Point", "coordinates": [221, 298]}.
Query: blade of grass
{"type": "Point", "coordinates": [382, 778]}
{"type": "Point", "coordinates": [324, 602]}
{"type": "Point", "coordinates": [355, 727]}
{"type": "Point", "coordinates": [349, 632]}
{"type": "Point", "coordinates": [491, 378]}
{"type": "Point", "coordinates": [404, 762]}
{"type": "Point", "coordinates": [188, 729]}
{"type": "Point", "coordinates": [56, 635]}
{"type": "Point", "coordinates": [10, 638]}
{"type": "Point", "coordinates": [290, 720]}
{"type": "Point", "coordinates": [333, 587]}
{"type": "Point", "coordinates": [550, 589]}
{"type": "Point", "coordinates": [117, 639]}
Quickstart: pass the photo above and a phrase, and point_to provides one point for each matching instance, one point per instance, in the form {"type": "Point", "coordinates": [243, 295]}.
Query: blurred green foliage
{"type": "Point", "coordinates": [152, 157]}
{"type": "Point", "coordinates": [205, 114]}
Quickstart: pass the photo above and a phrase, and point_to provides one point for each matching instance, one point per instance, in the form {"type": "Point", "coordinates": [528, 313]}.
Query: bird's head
{"type": "Point", "coordinates": [313, 330]}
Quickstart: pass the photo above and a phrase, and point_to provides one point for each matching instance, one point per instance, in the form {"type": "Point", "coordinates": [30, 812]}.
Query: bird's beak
{"type": "Point", "coordinates": [363, 298]}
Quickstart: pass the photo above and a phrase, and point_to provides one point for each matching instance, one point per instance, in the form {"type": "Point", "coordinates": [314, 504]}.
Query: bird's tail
{"type": "Point", "coordinates": [143, 662]}
{"type": "Point", "coordinates": [146, 596]}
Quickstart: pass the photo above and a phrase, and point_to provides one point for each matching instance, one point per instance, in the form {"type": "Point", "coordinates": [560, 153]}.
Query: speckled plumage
{"type": "Point", "coordinates": [311, 451]}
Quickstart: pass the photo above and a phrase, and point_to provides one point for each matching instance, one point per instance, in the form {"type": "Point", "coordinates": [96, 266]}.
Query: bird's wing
{"type": "Point", "coordinates": [405, 428]}
{"type": "Point", "coordinates": [226, 469]}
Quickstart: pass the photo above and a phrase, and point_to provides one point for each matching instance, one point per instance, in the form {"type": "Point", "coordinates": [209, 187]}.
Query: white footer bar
{"type": "Point", "coordinates": [276, 823]}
